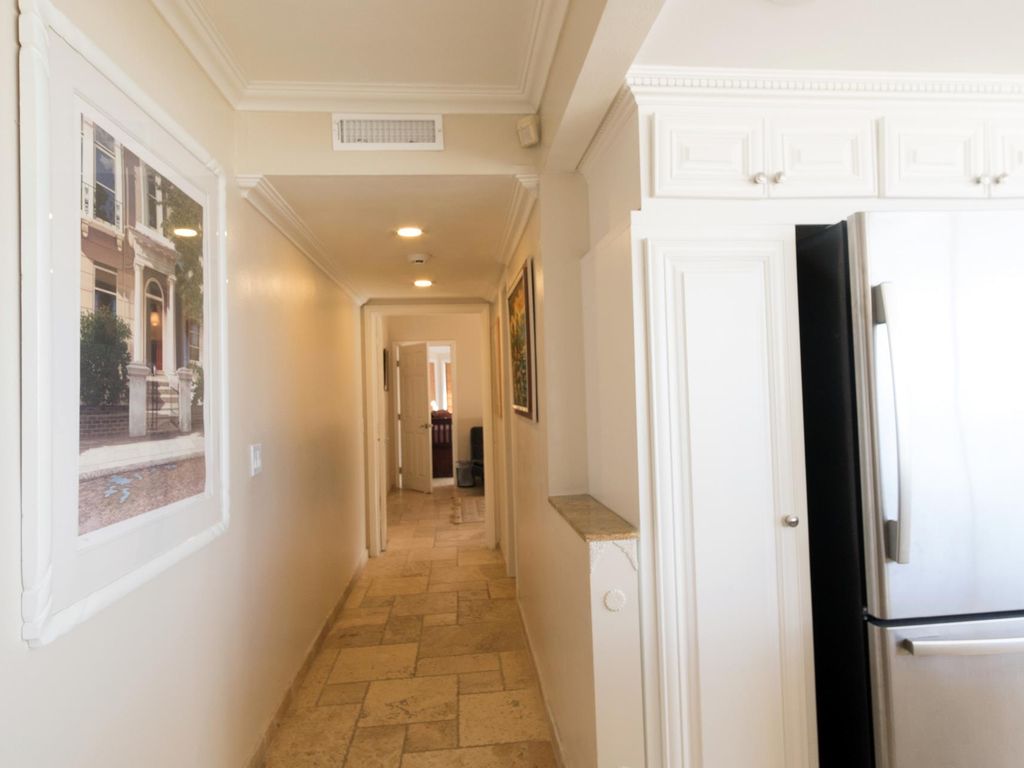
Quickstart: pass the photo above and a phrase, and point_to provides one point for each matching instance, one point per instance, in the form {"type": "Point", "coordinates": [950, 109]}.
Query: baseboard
{"type": "Point", "coordinates": [556, 741]}
{"type": "Point", "coordinates": [259, 758]}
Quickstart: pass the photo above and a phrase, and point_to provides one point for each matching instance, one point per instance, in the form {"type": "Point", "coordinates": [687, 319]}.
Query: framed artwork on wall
{"type": "Point", "coordinates": [123, 332]}
{"type": "Point", "coordinates": [522, 361]}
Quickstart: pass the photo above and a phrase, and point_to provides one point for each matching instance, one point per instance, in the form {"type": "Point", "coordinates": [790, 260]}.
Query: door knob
{"type": "Point", "coordinates": [791, 521]}
{"type": "Point", "coordinates": [424, 426]}
{"type": "Point", "coordinates": [1002, 178]}
{"type": "Point", "coordinates": [983, 179]}
{"type": "Point", "coordinates": [759, 178]}
{"type": "Point", "coordinates": [780, 177]}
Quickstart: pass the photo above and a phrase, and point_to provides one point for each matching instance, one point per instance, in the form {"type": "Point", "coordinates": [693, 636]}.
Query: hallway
{"type": "Point", "coordinates": [427, 664]}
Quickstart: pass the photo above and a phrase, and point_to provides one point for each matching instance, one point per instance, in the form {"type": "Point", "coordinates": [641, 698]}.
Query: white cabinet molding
{"type": "Point", "coordinates": [1006, 158]}
{"type": "Point", "coordinates": [732, 584]}
{"type": "Point", "coordinates": [702, 154]}
{"type": "Point", "coordinates": [934, 156]}
{"type": "Point", "coordinates": [821, 154]}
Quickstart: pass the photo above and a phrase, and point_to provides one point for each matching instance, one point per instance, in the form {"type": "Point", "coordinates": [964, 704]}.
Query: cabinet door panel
{"type": "Point", "coordinates": [728, 467]}
{"type": "Point", "coordinates": [829, 155]}
{"type": "Point", "coordinates": [1007, 148]}
{"type": "Point", "coordinates": [938, 156]}
{"type": "Point", "coordinates": [696, 155]}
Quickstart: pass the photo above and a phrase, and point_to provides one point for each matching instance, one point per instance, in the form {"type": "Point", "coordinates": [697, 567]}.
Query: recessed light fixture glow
{"type": "Point", "coordinates": [409, 231]}
{"type": "Point", "coordinates": [185, 232]}
{"type": "Point", "coordinates": [423, 283]}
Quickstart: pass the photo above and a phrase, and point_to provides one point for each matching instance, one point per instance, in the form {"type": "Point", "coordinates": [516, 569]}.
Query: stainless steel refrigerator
{"type": "Point", "coordinates": [912, 344]}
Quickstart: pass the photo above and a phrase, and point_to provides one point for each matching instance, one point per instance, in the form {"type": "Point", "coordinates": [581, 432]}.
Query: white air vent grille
{"type": "Point", "coordinates": [388, 132]}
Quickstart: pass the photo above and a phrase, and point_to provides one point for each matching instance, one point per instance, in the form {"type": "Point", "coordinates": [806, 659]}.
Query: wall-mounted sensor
{"type": "Point", "coordinates": [419, 258]}
{"type": "Point", "coordinates": [528, 129]}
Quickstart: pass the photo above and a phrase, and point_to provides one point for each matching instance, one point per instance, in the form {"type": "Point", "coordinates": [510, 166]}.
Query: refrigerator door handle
{"type": "Point", "coordinates": [977, 647]}
{"type": "Point", "coordinates": [897, 532]}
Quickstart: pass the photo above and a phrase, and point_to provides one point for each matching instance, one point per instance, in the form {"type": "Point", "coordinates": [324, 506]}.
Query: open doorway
{"type": "Point", "coordinates": [453, 409]}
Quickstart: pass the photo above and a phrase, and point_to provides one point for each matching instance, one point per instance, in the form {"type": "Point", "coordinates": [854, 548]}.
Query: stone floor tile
{"type": "Point", "coordinates": [397, 585]}
{"type": "Point", "coordinates": [529, 755]}
{"type": "Point", "coordinates": [456, 665]}
{"type": "Point", "coordinates": [420, 737]}
{"type": "Point", "coordinates": [475, 610]}
{"type": "Point", "coordinates": [440, 619]}
{"type": "Point", "coordinates": [403, 629]}
{"type": "Point", "coordinates": [379, 662]}
{"type": "Point", "coordinates": [500, 718]}
{"type": "Point", "coordinates": [473, 556]}
{"type": "Point", "coordinates": [313, 738]}
{"type": "Point", "coordinates": [457, 586]}
{"type": "Point", "coordinates": [378, 747]}
{"type": "Point", "coordinates": [433, 553]}
{"type": "Point", "coordinates": [416, 700]}
{"type": "Point", "coordinates": [342, 693]}
{"type": "Point", "coordinates": [382, 601]}
{"type": "Point", "coordinates": [484, 637]}
{"type": "Point", "coordinates": [444, 572]}
{"type": "Point", "coordinates": [502, 588]}
{"type": "Point", "coordinates": [362, 617]}
{"type": "Point", "coordinates": [353, 637]}
{"type": "Point", "coordinates": [518, 670]}
{"type": "Point", "coordinates": [309, 690]}
{"type": "Point", "coordinates": [428, 602]}
{"type": "Point", "coordinates": [481, 682]}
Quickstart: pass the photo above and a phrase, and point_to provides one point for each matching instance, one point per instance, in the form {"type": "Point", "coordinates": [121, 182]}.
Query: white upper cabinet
{"type": "Point", "coordinates": [815, 154]}
{"type": "Point", "coordinates": [934, 156]}
{"type": "Point", "coordinates": [1006, 166]}
{"type": "Point", "coordinates": [739, 154]}
{"type": "Point", "coordinates": [709, 154]}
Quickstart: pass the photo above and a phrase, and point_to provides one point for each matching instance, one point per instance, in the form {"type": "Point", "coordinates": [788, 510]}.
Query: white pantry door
{"type": "Point", "coordinates": [417, 460]}
{"type": "Point", "coordinates": [729, 502]}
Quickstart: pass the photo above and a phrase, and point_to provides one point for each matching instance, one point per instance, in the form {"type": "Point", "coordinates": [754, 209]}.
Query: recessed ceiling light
{"type": "Point", "coordinates": [185, 232]}
{"type": "Point", "coordinates": [409, 231]}
{"type": "Point", "coordinates": [423, 283]}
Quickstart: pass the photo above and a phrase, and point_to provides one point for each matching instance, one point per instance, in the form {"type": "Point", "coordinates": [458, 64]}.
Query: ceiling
{"type": "Point", "coordinates": [354, 218]}
{"type": "Point", "coordinates": [445, 55]}
{"type": "Point", "coordinates": [951, 36]}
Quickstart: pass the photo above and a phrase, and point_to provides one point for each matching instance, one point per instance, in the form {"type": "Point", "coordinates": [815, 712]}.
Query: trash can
{"type": "Point", "coordinates": [464, 474]}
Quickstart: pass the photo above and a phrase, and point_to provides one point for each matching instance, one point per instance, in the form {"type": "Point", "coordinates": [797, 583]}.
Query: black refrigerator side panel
{"type": "Point", "coordinates": [841, 662]}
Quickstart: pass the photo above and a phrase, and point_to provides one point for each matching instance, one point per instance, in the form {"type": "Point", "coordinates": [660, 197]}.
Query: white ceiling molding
{"type": "Point", "coordinates": [268, 201]}
{"type": "Point", "coordinates": [623, 107]}
{"type": "Point", "coordinates": [524, 196]}
{"type": "Point", "coordinates": [643, 80]}
{"type": "Point", "coordinates": [193, 25]}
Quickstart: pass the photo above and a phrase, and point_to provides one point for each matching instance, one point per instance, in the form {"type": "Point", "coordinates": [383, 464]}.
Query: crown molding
{"type": "Point", "coordinates": [652, 81]}
{"type": "Point", "coordinates": [623, 107]}
{"type": "Point", "coordinates": [193, 25]}
{"type": "Point", "coordinates": [265, 198]}
{"type": "Point", "coordinates": [524, 196]}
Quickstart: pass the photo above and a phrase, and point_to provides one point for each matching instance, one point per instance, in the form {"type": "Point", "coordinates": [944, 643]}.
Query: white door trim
{"type": "Point", "coordinates": [376, 412]}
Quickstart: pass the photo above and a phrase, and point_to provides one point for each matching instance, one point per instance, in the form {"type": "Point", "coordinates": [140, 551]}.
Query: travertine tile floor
{"type": "Point", "coordinates": [427, 665]}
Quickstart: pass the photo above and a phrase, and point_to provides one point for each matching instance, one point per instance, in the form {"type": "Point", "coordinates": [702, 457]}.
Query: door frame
{"type": "Point", "coordinates": [375, 414]}
{"type": "Point", "coordinates": [396, 426]}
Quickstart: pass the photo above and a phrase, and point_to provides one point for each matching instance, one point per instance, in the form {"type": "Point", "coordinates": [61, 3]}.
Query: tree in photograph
{"type": "Point", "coordinates": [181, 211]}
{"type": "Point", "coordinates": [104, 358]}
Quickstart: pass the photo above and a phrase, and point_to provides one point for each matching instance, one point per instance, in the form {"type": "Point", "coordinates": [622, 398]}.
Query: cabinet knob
{"type": "Point", "coordinates": [983, 179]}
{"type": "Point", "coordinates": [759, 178]}
{"type": "Point", "coordinates": [791, 521]}
{"type": "Point", "coordinates": [1002, 178]}
{"type": "Point", "coordinates": [780, 177]}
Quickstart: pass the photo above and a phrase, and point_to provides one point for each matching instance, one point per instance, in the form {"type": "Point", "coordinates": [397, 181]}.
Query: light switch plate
{"type": "Point", "coordinates": [255, 459]}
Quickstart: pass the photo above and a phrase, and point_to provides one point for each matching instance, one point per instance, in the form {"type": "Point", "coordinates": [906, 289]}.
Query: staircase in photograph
{"type": "Point", "coordinates": [161, 406]}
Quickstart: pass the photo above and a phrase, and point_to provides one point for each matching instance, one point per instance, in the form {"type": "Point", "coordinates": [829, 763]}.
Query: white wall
{"type": "Point", "coordinates": [470, 357]}
{"type": "Point", "coordinates": [189, 669]}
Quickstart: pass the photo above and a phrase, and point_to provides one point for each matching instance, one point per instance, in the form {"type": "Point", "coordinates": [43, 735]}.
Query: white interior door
{"type": "Point", "coordinates": [414, 415]}
{"type": "Point", "coordinates": [730, 498]}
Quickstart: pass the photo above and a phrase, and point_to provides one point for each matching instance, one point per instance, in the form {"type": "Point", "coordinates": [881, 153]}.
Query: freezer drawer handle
{"type": "Point", "coordinates": [979, 647]}
{"type": "Point", "coordinates": [897, 532]}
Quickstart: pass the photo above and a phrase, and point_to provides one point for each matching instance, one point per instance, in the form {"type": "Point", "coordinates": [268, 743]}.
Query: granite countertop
{"type": "Point", "coordinates": [591, 519]}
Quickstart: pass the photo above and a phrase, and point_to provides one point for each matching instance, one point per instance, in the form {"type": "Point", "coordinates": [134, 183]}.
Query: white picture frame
{"type": "Point", "coordinates": [68, 577]}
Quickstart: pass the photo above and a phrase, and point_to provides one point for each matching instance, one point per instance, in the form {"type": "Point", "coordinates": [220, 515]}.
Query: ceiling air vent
{"type": "Point", "coordinates": [388, 132]}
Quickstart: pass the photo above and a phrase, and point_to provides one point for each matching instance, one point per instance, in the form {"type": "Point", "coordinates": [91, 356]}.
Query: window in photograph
{"type": "Point", "coordinates": [154, 200]}
{"type": "Point", "coordinates": [105, 290]}
{"type": "Point", "coordinates": [105, 176]}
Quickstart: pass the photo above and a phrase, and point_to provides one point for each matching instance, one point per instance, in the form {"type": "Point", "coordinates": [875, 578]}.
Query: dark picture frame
{"type": "Point", "coordinates": [522, 363]}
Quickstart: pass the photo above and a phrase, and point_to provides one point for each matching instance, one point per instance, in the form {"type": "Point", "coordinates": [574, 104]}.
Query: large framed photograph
{"type": "Point", "coordinates": [521, 345]}
{"type": "Point", "coordinates": [123, 332]}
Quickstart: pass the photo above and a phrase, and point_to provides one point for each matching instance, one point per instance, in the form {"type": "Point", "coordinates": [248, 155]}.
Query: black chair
{"type": "Point", "coordinates": [476, 452]}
